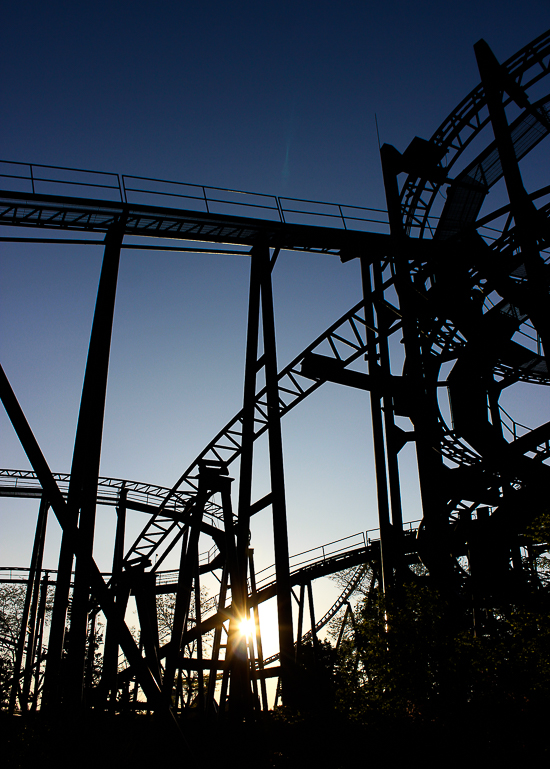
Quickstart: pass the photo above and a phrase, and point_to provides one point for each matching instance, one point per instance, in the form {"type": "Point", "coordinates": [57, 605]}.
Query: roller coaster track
{"type": "Point", "coordinates": [304, 566]}
{"type": "Point", "coordinates": [463, 125]}
{"type": "Point", "coordinates": [346, 342]}
{"type": "Point", "coordinates": [307, 565]}
{"type": "Point", "coordinates": [352, 585]}
{"type": "Point", "coordinates": [143, 497]}
{"type": "Point", "coordinates": [487, 446]}
{"type": "Point", "coordinates": [360, 557]}
{"type": "Point", "coordinates": [362, 548]}
{"type": "Point", "coordinates": [210, 215]}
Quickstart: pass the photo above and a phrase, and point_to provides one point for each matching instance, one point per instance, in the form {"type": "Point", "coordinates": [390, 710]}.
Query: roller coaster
{"type": "Point", "coordinates": [454, 314]}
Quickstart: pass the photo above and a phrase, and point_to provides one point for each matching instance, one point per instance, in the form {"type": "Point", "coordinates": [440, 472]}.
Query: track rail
{"type": "Point", "coordinates": [352, 585]}
{"type": "Point", "coordinates": [527, 67]}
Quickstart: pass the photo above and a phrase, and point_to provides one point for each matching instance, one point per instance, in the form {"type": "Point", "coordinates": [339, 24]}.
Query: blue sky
{"type": "Point", "coordinates": [274, 97]}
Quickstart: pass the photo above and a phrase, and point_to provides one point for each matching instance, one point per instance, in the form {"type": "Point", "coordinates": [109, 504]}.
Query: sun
{"type": "Point", "coordinates": [246, 627]}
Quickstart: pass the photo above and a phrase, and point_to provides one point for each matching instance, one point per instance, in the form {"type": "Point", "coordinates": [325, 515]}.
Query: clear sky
{"type": "Point", "coordinates": [275, 97]}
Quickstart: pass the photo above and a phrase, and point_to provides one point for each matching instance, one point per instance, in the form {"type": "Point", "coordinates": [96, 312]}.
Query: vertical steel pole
{"type": "Point", "coordinates": [373, 340]}
{"type": "Point", "coordinates": [33, 619]}
{"type": "Point", "coordinates": [208, 481]}
{"type": "Point", "coordinates": [312, 617]}
{"type": "Point", "coordinates": [276, 465]}
{"type": "Point", "coordinates": [40, 621]}
{"type": "Point", "coordinates": [216, 645]}
{"type": "Point", "coordinates": [87, 452]}
{"type": "Point", "coordinates": [110, 656]}
{"type": "Point", "coordinates": [389, 419]}
{"type": "Point", "coordinates": [236, 655]}
{"type": "Point", "coordinates": [82, 496]}
{"type": "Point", "coordinates": [420, 385]}
{"type": "Point", "coordinates": [228, 573]}
{"type": "Point", "coordinates": [200, 671]}
{"type": "Point", "coordinates": [257, 631]}
{"type": "Point", "coordinates": [301, 604]}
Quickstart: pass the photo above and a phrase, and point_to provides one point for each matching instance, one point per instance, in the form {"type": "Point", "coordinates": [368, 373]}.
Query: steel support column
{"type": "Point", "coordinates": [216, 646]}
{"type": "Point", "coordinates": [257, 632]}
{"type": "Point", "coordinates": [81, 501]}
{"type": "Point", "coordinates": [34, 619]}
{"type": "Point", "coordinates": [276, 466]}
{"type": "Point", "coordinates": [261, 305]}
{"type": "Point", "coordinates": [108, 685]}
{"type": "Point", "coordinates": [100, 590]}
{"type": "Point", "coordinates": [236, 644]}
{"type": "Point", "coordinates": [418, 379]}
{"type": "Point", "coordinates": [378, 438]}
{"type": "Point", "coordinates": [208, 484]}
{"type": "Point", "coordinates": [40, 622]}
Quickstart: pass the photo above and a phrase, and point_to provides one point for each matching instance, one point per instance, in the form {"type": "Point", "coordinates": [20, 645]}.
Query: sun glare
{"type": "Point", "coordinates": [247, 627]}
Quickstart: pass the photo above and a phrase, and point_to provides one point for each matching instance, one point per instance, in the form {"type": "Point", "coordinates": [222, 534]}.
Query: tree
{"type": "Point", "coordinates": [341, 625]}
{"type": "Point", "coordinates": [12, 599]}
{"type": "Point", "coordinates": [427, 662]}
{"type": "Point", "coordinates": [187, 682]}
{"type": "Point", "coordinates": [166, 604]}
{"type": "Point", "coordinates": [12, 602]}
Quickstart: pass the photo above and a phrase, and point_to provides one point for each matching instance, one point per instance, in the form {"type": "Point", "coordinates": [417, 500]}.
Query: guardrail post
{"type": "Point", "coordinates": [342, 215]}
{"type": "Point", "coordinates": [120, 188]}
{"type": "Point", "coordinates": [32, 179]}
{"type": "Point", "coordinates": [279, 206]}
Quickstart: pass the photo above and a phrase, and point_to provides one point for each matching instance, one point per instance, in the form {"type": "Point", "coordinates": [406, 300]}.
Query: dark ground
{"type": "Point", "coordinates": [276, 741]}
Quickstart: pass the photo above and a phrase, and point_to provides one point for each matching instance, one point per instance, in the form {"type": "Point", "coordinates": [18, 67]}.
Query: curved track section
{"type": "Point", "coordinates": [345, 341]}
{"type": "Point", "coordinates": [457, 132]}
{"type": "Point", "coordinates": [143, 497]}
{"type": "Point", "coordinates": [352, 585]}
{"type": "Point", "coordinates": [466, 297]}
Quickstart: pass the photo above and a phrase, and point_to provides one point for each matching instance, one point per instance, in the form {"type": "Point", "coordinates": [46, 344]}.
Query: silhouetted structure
{"type": "Point", "coordinates": [468, 298]}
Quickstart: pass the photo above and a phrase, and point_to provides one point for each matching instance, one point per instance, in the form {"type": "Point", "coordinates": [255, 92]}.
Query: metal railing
{"type": "Point", "coordinates": [26, 484]}
{"type": "Point", "coordinates": [170, 577]}
{"type": "Point", "coordinates": [39, 179]}
{"type": "Point", "coordinates": [319, 554]}
{"type": "Point", "coordinates": [265, 577]}
{"type": "Point", "coordinates": [51, 180]}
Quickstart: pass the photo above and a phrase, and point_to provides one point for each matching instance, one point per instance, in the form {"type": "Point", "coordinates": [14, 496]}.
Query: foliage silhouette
{"type": "Point", "coordinates": [415, 655]}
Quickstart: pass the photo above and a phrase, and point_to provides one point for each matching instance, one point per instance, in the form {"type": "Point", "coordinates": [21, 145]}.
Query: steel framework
{"type": "Point", "coordinates": [466, 293]}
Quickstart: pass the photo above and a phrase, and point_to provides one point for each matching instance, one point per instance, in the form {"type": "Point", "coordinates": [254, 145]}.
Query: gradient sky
{"type": "Point", "coordinates": [274, 97]}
